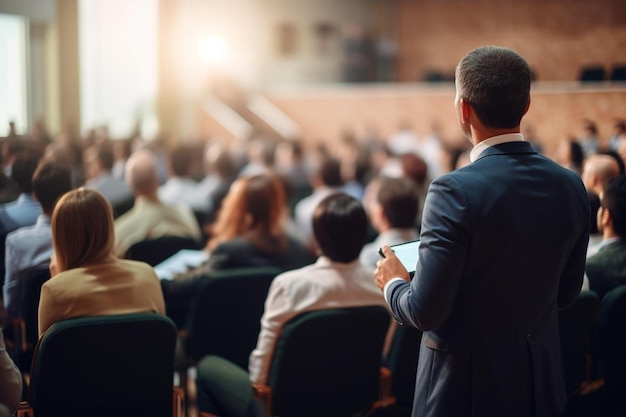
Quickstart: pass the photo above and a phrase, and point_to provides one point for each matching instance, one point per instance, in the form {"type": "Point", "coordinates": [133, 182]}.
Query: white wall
{"type": "Point", "coordinates": [118, 63]}
{"type": "Point", "coordinates": [13, 73]}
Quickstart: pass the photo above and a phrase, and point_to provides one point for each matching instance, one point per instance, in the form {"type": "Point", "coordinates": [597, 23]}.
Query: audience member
{"type": "Point", "coordinates": [10, 379]}
{"type": "Point", "coordinates": [150, 218]}
{"type": "Point", "coordinates": [392, 205]}
{"type": "Point", "coordinates": [250, 231]}
{"type": "Point", "coordinates": [597, 169]}
{"type": "Point", "coordinates": [589, 138]}
{"type": "Point", "coordinates": [570, 155]}
{"type": "Point", "coordinates": [290, 163]}
{"type": "Point", "coordinates": [87, 279]}
{"type": "Point", "coordinates": [619, 134]}
{"type": "Point", "coordinates": [260, 154]}
{"type": "Point", "coordinates": [99, 160]}
{"type": "Point", "coordinates": [250, 228]}
{"type": "Point", "coordinates": [326, 180]}
{"type": "Point", "coordinates": [606, 269]}
{"type": "Point", "coordinates": [180, 187]}
{"type": "Point", "coordinates": [220, 171]}
{"type": "Point", "coordinates": [25, 210]}
{"type": "Point", "coordinates": [336, 280]}
{"type": "Point", "coordinates": [29, 248]}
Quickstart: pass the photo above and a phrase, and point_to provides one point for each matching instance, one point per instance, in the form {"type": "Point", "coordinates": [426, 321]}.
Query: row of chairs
{"type": "Point", "coordinates": [596, 73]}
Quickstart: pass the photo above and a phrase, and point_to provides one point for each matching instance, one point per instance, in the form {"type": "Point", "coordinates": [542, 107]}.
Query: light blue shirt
{"type": "Point", "coordinates": [26, 249]}
{"type": "Point", "coordinates": [19, 213]}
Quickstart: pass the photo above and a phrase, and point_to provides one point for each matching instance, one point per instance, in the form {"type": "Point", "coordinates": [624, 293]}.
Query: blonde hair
{"type": "Point", "coordinates": [82, 229]}
{"type": "Point", "coordinates": [254, 208]}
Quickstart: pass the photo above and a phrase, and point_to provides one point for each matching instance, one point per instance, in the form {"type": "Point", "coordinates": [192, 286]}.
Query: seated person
{"type": "Point", "coordinates": [25, 210]}
{"type": "Point", "coordinates": [99, 160]}
{"type": "Point", "coordinates": [150, 218]}
{"type": "Point", "coordinates": [249, 232]}
{"type": "Point", "coordinates": [336, 280]}
{"type": "Point", "coordinates": [87, 279]}
{"type": "Point", "coordinates": [180, 187]}
{"type": "Point", "coordinates": [30, 247]}
{"type": "Point", "coordinates": [606, 269]}
{"type": "Point", "coordinates": [392, 205]}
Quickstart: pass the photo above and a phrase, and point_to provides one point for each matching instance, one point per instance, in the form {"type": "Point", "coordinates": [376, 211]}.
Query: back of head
{"type": "Point", "coordinates": [22, 172]}
{"type": "Point", "coordinates": [254, 205]}
{"type": "Point", "coordinates": [340, 227]}
{"type": "Point", "coordinates": [614, 199]}
{"type": "Point", "coordinates": [82, 229]}
{"type": "Point", "coordinates": [142, 173]}
{"type": "Point", "coordinates": [495, 81]}
{"type": "Point", "coordinates": [398, 199]}
{"type": "Point", "coordinates": [104, 154]}
{"type": "Point", "coordinates": [414, 167]}
{"type": "Point", "coordinates": [329, 172]}
{"type": "Point", "coordinates": [181, 161]}
{"type": "Point", "coordinates": [50, 182]}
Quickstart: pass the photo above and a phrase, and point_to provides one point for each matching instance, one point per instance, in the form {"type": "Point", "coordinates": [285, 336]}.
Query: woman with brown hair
{"type": "Point", "coordinates": [87, 279]}
{"type": "Point", "coordinates": [250, 228]}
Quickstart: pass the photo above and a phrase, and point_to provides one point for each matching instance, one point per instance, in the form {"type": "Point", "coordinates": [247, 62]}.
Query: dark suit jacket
{"type": "Point", "coordinates": [607, 268]}
{"type": "Point", "coordinates": [503, 245]}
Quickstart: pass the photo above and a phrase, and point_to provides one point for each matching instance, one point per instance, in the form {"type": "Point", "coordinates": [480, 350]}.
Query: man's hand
{"type": "Point", "coordinates": [389, 267]}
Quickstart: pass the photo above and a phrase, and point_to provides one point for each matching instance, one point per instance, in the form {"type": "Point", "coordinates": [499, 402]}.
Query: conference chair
{"type": "Point", "coordinates": [25, 328]}
{"type": "Point", "coordinates": [225, 316]}
{"type": "Point", "coordinates": [576, 325]}
{"type": "Point", "coordinates": [610, 342]}
{"type": "Point", "coordinates": [117, 365]}
{"type": "Point", "coordinates": [618, 73]}
{"type": "Point", "coordinates": [155, 251]}
{"type": "Point", "coordinates": [592, 73]}
{"type": "Point", "coordinates": [327, 363]}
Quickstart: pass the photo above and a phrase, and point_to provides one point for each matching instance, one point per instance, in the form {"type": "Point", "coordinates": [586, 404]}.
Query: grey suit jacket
{"type": "Point", "coordinates": [503, 245]}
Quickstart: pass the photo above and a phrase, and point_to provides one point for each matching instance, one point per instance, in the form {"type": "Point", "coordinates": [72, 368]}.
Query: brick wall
{"type": "Point", "coordinates": [555, 36]}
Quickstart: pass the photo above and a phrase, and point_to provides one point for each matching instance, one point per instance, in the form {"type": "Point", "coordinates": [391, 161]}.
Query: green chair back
{"type": "Point", "coordinates": [225, 316]}
{"type": "Point", "coordinates": [327, 362]}
{"type": "Point", "coordinates": [117, 365]}
{"type": "Point", "coordinates": [611, 338]}
{"type": "Point", "coordinates": [402, 362]}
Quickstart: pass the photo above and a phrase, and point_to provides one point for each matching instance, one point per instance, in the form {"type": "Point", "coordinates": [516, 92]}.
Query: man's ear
{"type": "Point", "coordinates": [466, 110]}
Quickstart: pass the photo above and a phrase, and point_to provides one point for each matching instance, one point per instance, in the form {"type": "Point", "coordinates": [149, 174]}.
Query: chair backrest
{"type": "Point", "coordinates": [610, 340]}
{"type": "Point", "coordinates": [402, 362]}
{"type": "Point", "coordinates": [118, 365]}
{"type": "Point", "coordinates": [576, 325]}
{"type": "Point", "coordinates": [155, 251]}
{"type": "Point", "coordinates": [29, 309]}
{"type": "Point", "coordinates": [327, 362]}
{"type": "Point", "coordinates": [592, 74]}
{"type": "Point", "coordinates": [618, 73]}
{"type": "Point", "coordinates": [225, 316]}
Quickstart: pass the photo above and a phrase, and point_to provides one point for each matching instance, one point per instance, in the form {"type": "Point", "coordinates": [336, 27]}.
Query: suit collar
{"type": "Point", "coordinates": [518, 147]}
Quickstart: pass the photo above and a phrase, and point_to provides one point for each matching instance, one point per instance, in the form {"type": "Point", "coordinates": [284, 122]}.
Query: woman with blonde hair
{"type": "Point", "coordinates": [87, 279]}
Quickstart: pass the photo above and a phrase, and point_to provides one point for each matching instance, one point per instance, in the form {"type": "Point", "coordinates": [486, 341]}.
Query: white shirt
{"type": "Point", "coordinates": [492, 141]}
{"type": "Point", "coordinates": [180, 190]}
{"type": "Point", "coordinates": [27, 249]}
{"type": "Point", "coordinates": [322, 285]}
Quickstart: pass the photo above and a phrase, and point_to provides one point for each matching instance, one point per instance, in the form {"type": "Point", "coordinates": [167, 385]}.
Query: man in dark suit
{"type": "Point", "coordinates": [503, 245]}
{"type": "Point", "coordinates": [607, 268]}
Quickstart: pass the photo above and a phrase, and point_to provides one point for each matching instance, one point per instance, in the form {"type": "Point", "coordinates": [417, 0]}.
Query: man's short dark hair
{"type": "Point", "coordinates": [398, 199]}
{"type": "Point", "coordinates": [495, 81]}
{"type": "Point", "coordinates": [104, 153]}
{"type": "Point", "coordinates": [50, 182]}
{"type": "Point", "coordinates": [330, 172]}
{"type": "Point", "coordinates": [614, 200]}
{"type": "Point", "coordinates": [340, 227]}
{"type": "Point", "coordinates": [181, 161]}
{"type": "Point", "coordinates": [22, 171]}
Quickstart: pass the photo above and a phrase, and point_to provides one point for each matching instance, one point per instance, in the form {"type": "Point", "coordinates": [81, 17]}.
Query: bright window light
{"type": "Point", "coordinates": [213, 50]}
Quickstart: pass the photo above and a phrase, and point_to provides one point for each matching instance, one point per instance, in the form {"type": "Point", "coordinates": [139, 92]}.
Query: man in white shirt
{"type": "Point", "coordinates": [336, 280]}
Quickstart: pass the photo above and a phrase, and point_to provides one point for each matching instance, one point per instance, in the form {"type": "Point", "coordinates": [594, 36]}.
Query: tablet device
{"type": "Point", "coordinates": [408, 253]}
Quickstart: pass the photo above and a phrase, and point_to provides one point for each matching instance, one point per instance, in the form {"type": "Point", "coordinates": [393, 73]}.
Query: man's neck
{"type": "Point", "coordinates": [481, 133]}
